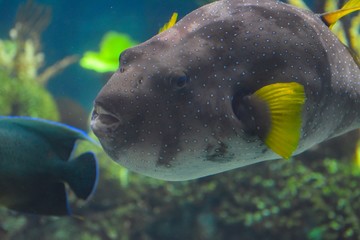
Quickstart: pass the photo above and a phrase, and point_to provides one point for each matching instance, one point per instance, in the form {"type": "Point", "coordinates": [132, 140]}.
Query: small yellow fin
{"type": "Point", "coordinates": [332, 17]}
{"type": "Point", "coordinates": [169, 24]}
{"type": "Point", "coordinates": [285, 102]}
{"type": "Point", "coordinates": [357, 154]}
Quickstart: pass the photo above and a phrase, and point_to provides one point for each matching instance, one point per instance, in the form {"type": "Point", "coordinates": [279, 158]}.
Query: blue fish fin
{"type": "Point", "coordinates": [83, 174]}
{"type": "Point", "coordinates": [62, 137]}
{"type": "Point", "coordinates": [47, 199]}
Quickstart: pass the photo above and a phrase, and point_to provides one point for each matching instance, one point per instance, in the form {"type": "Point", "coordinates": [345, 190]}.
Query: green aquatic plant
{"type": "Point", "coordinates": [111, 46]}
{"type": "Point", "coordinates": [107, 59]}
{"type": "Point", "coordinates": [25, 98]}
{"type": "Point", "coordinates": [23, 90]}
{"type": "Point", "coordinates": [21, 55]}
{"type": "Point", "coordinates": [7, 54]}
{"type": "Point", "coordinates": [354, 34]}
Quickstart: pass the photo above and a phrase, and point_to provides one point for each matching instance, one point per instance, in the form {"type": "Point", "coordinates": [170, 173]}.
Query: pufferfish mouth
{"type": "Point", "coordinates": [104, 122]}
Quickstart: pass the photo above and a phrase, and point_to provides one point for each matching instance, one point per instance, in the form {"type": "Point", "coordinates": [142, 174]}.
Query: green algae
{"type": "Point", "coordinates": [107, 59]}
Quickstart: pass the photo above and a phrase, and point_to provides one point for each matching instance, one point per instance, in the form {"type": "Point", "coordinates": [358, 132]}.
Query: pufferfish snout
{"type": "Point", "coordinates": [103, 122]}
{"type": "Point", "coordinates": [110, 117]}
{"type": "Point", "coordinates": [147, 115]}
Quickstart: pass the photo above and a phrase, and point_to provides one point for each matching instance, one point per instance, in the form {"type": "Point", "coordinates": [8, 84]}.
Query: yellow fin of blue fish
{"type": "Point", "coordinates": [171, 22]}
{"type": "Point", "coordinates": [285, 102]}
{"type": "Point", "coordinates": [332, 17]}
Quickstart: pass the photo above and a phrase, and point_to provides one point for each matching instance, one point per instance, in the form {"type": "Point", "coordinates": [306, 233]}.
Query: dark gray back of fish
{"type": "Point", "coordinates": [170, 109]}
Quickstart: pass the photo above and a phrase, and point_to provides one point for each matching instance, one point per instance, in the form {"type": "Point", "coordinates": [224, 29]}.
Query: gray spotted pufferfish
{"type": "Point", "coordinates": [233, 83]}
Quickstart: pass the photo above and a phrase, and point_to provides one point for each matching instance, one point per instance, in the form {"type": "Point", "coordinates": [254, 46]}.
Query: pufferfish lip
{"type": "Point", "coordinates": [104, 122]}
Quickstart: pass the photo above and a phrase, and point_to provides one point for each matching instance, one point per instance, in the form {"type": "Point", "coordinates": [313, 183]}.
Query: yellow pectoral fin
{"type": "Point", "coordinates": [169, 24]}
{"type": "Point", "coordinates": [332, 17]}
{"type": "Point", "coordinates": [285, 102]}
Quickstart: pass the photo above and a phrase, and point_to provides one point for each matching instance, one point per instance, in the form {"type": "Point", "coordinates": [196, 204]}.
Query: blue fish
{"type": "Point", "coordinates": [233, 83]}
{"type": "Point", "coordinates": [34, 165]}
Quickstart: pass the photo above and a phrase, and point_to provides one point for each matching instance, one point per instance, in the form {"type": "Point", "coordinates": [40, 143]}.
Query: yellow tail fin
{"type": "Point", "coordinates": [332, 17]}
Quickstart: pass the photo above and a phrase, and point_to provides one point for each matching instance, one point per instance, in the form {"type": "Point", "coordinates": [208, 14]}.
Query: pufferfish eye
{"type": "Point", "coordinates": [180, 82]}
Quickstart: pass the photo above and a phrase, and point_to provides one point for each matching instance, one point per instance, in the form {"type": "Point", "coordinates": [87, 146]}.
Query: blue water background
{"type": "Point", "coordinates": [78, 26]}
